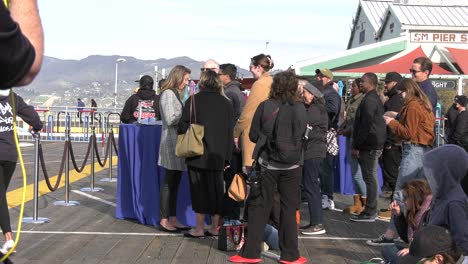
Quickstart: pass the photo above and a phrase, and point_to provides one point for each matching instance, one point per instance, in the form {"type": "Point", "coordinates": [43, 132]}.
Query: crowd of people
{"type": "Point", "coordinates": [281, 136]}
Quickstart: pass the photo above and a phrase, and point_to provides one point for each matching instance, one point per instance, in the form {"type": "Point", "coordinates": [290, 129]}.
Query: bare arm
{"type": "Point", "coordinates": [26, 14]}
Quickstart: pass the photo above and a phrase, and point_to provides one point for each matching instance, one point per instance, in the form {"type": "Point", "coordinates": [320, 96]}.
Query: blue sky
{"type": "Point", "coordinates": [227, 31]}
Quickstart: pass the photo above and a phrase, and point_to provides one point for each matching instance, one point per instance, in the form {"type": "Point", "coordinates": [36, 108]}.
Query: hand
{"type": "Point", "coordinates": [236, 143]}
{"type": "Point", "coordinates": [388, 119]}
{"type": "Point", "coordinates": [403, 252]}
{"type": "Point", "coordinates": [355, 153]}
{"type": "Point", "coordinates": [391, 114]}
{"type": "Point", "coordinates": [395, 208]}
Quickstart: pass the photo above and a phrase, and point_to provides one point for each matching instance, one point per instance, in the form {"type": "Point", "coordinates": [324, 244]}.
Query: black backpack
{"type": "Point", "coordinates": [286, 144]}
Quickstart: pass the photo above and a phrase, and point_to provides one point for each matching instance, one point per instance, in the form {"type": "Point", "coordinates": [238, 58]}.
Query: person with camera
{"type": "Point", "coordinates": [314, 153]}
{"type": "Point", "coordinates": [278, 126]}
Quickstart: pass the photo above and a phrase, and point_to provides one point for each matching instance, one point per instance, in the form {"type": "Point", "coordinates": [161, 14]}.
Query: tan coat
{"type": "Point", "coordinates": [259, 92]}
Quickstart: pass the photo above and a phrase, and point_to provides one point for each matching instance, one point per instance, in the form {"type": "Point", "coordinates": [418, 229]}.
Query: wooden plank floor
{"type": "Point", "coordinates": [89, 233]}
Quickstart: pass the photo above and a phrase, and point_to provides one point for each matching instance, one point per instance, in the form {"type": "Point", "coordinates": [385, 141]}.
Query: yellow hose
{"type": "Point", "coordinates": [23, 170]}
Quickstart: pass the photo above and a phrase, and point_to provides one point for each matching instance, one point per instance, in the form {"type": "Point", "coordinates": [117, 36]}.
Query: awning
{"type": "Point", "coordinates": [400, 65]}
{"type": "Point", "coordinates": [461, 57]}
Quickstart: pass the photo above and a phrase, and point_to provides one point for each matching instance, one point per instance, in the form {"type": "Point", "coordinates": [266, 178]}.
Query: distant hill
{"type": "Point", "coordinates": [94, 77]}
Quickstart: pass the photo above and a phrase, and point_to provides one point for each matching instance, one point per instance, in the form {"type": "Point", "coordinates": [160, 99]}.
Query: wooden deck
{"type": "Point", "coordinates": [89, 233]}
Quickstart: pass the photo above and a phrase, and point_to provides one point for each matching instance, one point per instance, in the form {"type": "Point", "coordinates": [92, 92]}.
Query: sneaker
{"type": "Point", "coordinates": [363, 217]}
{"type": "Point", "coordinates": [384, 215]}
{"type": "Point", "coordinates": [380, 241]}
{"type": "Point", "coordinates": [314, 230]}
{"type": "Point", "coordinates": [331, 204]}
{"type": "Point", "coordinates": [7, 246]}
{"type": "Point", "coordinates": [374, 260]}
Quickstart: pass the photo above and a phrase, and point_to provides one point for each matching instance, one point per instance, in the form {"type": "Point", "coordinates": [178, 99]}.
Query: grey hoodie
{"type": "Point", "coordinates": [444, 168]}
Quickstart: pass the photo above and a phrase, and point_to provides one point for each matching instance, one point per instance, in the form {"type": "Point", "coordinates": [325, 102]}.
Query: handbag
{"type": "Point", "coordinates": [190, 144]}
{"type": "Point", "coordinates": [332, 142]}
{"type": "Point", "coordinates": [231, 237]}
{"type": "Point", "coordinates": [238, 189]}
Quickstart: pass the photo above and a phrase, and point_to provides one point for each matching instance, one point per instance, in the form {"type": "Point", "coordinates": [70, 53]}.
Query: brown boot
{"type": "Point", "coordinates": [363, 202]}
{"type": "Point", "coordinates": [357, 207]}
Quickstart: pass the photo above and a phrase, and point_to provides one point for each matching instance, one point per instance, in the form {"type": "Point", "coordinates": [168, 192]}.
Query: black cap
{"type": "Point", "coordinates": [393, 77]}
{"type": "Point", "coordinates": [313, 90]}
{"type": "Point", "coordinates": [428, 242]}
{"type": "Point", "coordinates": [146, 82]}
{"type": "Point", "coordinates": [461, 99]}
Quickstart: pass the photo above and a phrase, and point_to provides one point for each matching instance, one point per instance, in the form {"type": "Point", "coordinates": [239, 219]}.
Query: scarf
{"type": "Point", "coordinates": [422, 211]}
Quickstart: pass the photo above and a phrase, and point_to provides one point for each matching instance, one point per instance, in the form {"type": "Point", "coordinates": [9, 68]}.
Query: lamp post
{"type": "Point", "coordinates": [116, 72]}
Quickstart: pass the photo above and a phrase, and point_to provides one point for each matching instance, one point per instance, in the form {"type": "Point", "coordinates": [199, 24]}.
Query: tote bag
{"type": "Point", "coordinates": [190, 144]}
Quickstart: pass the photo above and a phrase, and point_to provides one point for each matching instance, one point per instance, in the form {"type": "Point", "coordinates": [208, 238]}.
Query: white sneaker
{"type": "Point", "coordinates": [331, 204]}
{"type": "Point", "coordinates": [7, 246]}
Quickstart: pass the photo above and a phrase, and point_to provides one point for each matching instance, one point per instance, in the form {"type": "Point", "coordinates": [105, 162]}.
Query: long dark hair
{"type": "Point", "coordinates": [285, 87]}
{"type": "Point", "coordinates": [415, 192]}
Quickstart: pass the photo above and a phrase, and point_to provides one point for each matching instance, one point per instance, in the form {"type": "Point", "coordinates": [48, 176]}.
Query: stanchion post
{"type": "Point", "coordinates": [35, 219]}
{"type": "Point", "coordinates": [93, 157]}
{"type": "Point", "coordinates": [110, 152]}
{"type": "Point", "coordinates": [67, 201]}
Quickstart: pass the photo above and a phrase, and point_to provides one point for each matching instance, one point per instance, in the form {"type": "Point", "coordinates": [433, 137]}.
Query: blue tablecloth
{"type": "Point", "coordinates": [343, 178]}
{"type": "Point", "coordinates": [140, 178]}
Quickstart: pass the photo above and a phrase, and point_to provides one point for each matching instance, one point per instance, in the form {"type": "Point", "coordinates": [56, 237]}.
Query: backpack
{"type": "Point", "coordinates": [286, 144]}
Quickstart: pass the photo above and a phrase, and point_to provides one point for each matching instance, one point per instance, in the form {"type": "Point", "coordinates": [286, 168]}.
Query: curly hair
{"type": "Point", "coordinates": [415, 192]}
{"type": "Point", "coordinates": [285, 87]}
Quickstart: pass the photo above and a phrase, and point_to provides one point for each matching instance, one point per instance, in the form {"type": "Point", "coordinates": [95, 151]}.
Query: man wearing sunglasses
{"type": "Point", "coordinates": [420, 71]}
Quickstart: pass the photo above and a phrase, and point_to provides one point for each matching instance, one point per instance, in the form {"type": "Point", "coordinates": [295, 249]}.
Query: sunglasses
{"type": "Point", "coordinates": [207, 69]}
{"type": "Point", "coordinates": [414, 71]}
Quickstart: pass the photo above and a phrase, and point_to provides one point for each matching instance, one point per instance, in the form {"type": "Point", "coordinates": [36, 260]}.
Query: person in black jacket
{"type": "Point", "coordinates": [369, 134]}
{"type": "Point", "coordinates": [333, 107]}
{"type": "Point", "coordinates": [276, 176]}
{"type": "Point", "coordinates": [459, 133]}
{"type": "Point", "coordinates": [314, 153]}
{"type": "Point", "coordinates": [8, 153]}
{"type": "Point", "coordinates": [21, 43]}
{"type": "Point", "coordinates": [391, 156]}
{"type": "Point", "coordinates": [215, 113]}
{"type": "Point", "coordinates": [232, 88]}
{"type": "Point", "coordinates": [145, 96]}
{"type": "Point", "coordinates": [451, 116]}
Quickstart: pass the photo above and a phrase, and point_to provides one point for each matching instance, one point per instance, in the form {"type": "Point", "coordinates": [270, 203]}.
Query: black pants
{"type": "Point", "coordinates": [311, 188]}
{"type": "Point", "coordinates": [286, 183]}
{"type": "Point", "coordinates": [232, 208]}
{"type": "Point", "coordinates": [168, 193]}
{"type": "Point", "coordinates": [391, 159]}
{"type": "Point", "coordinates": [368, 160]}
{"type": "Point", "coordinates": [7, 168]}
{"type": "Point", "coordinates": [206, 190]}
{"type": "Point", "coordinates": [327, 174]}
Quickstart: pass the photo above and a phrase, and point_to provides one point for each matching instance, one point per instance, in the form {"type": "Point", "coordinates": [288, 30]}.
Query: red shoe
{"type": "Point", "coordinates": [239, 259]}
{"type": "Point", "coordinates": [300, 260]}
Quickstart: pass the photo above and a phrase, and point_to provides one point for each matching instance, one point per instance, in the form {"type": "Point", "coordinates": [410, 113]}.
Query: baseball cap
{"type": "Point", "coordinates": [325, 72]}
{"type": "Point", "coordinates": [146, 82]}
{"type": "Point", "coordinates": [461, 99]}
{"type": "Point", "coordinates": [313, 89]}
{"type": "Point", "coordinates": [392, 77]}
{"type": "Point", "coordinates": [428, 242]}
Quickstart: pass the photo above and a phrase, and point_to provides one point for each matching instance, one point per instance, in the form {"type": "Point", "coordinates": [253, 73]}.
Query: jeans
{"type": "Point", "coordinates": [327, 170]}
{"type": "Point", "coordinates": [411, 167]}
{"type": "Point", "coordinates": [311, 185]}
{"type": "Point", "coordinates": [368, 160]}
{"type": "Point", "coordinates": [389, 253]}
{"type": "Point", "coordinates": [358, 181]}
{"type": "Point", "coordinates": [270, 236]}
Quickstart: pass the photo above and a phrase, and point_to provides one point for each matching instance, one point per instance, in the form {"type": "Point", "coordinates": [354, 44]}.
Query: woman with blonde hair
{"type": "Point", "coordinates": [260, 66]}
{"type": "Point", "coordinates": [215, 113]}
{"type": "Point", "coordinates": [415, 128]}
{"type": "Point", "coordinates": [170, 107]}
